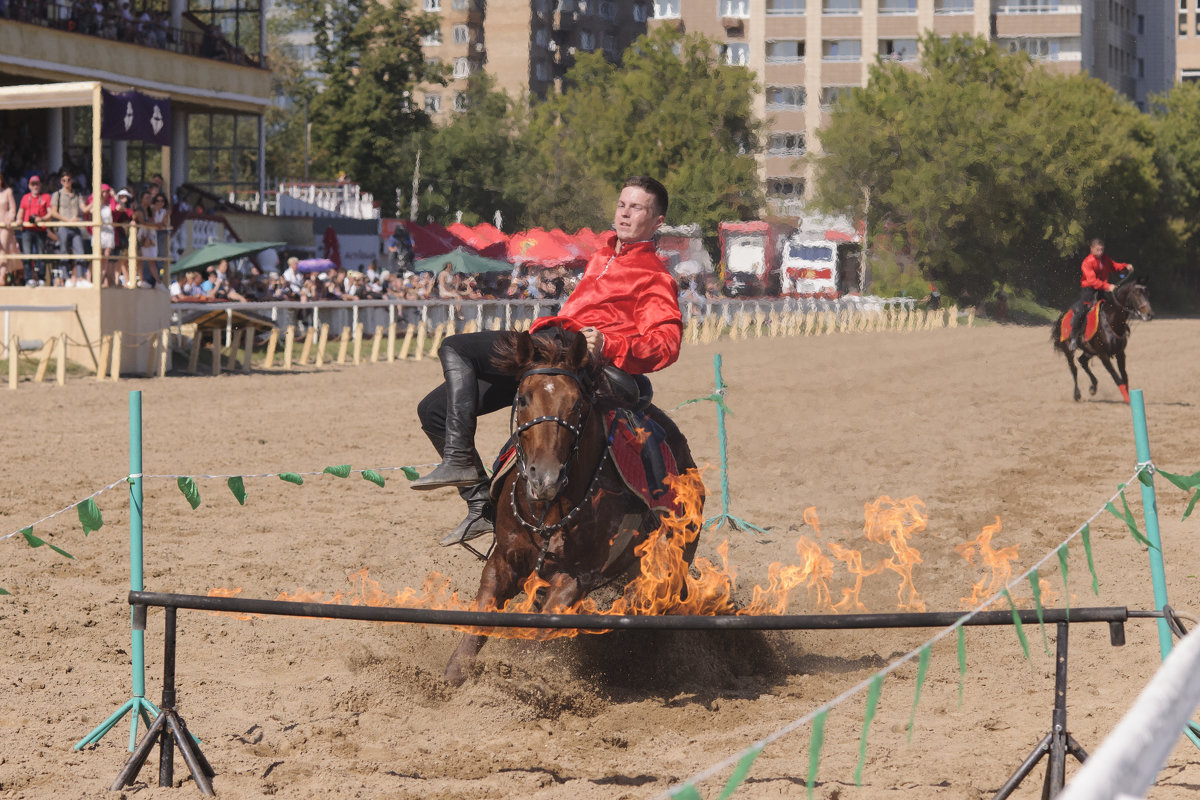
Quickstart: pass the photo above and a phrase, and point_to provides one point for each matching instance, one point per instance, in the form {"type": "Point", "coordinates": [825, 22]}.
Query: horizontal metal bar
{"type": "Point", "coordinates": [490, 619]}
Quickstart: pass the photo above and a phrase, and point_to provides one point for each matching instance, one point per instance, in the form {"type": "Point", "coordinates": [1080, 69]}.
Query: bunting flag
{"type": "Point", "coordinates": [740, 771]}
{"type": "Point", "coordinates": [238, 487]}
{"type": "Point", "coordinates": [873, 691]}
{"type": "Point", "coordinates": [814, 749]}
{"type": "Point", "coordinates": [34, 541]}
{"type": "Point", "coordinates": [291, 477]}
{"type": "Point", "coordinates": [1186, 483]}
{"type": "Point", "coordinates": [1062, 565]}
{"type": "Point", "coordinates": [89, 516]}
{"type": "Point", "coordinates": [922, 667]}
{"type": "Point", "coordinates": [341, 471]}
{"type": "Point", "coordinates": [374, 477]}
{"type": "Point", "coordinates": [1035, 584]}
{"type": "Point", "coordinates": [962, 661]}
{"type": "Point", "coordinates": [1086, 535]}
{"type": "Point", "coordinates": [188, 487]}
{"type": "Point", "coordinates": [1127, 518]}
{"type": "Point", "coordinates": [1017, 624]}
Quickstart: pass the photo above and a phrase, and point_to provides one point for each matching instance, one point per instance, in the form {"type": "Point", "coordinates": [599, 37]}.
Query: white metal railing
{"type": "Point", "coordinates": [325, 200]}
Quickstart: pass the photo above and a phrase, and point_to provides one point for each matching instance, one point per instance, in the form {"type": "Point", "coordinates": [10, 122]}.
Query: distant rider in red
{"type": "Point", "coordinates": [1098, 269]}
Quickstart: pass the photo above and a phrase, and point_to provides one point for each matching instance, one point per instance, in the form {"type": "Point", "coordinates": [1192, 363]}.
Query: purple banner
{"type": "Point", "coordinates": [133, 116]}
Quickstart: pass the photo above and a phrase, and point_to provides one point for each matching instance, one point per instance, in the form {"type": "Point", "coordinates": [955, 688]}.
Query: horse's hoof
{"type": "Point", "coordinates": [1078, 396]}
{"type": "Point", "coordinates": [454, 675]}
{"type": "Point", "coordinates": [1092, 391]}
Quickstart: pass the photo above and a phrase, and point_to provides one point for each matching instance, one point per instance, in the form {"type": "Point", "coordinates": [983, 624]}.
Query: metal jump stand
{"type": "Point", "coordinates": [137, 706]}
{"type": "Point", "coordinates": [718, 397]}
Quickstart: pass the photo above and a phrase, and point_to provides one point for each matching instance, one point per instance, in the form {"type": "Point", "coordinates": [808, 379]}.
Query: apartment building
{"type": "Point", "coordinates": [806, 53]}
{"type": "Point", "coordinates": [1187, 43]}
{"type": "Point", "coordinates": [527, 45]}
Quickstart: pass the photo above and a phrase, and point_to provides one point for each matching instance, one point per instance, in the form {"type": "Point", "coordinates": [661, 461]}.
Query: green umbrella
{"type": "Point", "coordinates": [463, 262]}
{"type": "Point", "coordinates": [218, 251]}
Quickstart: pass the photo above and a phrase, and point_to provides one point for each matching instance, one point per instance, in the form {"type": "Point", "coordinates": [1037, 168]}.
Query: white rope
{"type": "Point", "coordinates": [893, 666]}
{"type": "Point", "coordinates": [1132, 754]}
{"type": "Point", "coordinates": [62, 510]}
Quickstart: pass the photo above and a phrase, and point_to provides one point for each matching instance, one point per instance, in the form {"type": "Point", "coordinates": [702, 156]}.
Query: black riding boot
{"type": "Point", "coordinates": [1077, 321]}
{"type": "Point", "coordinates": [460, 465]}
{"type": "Point", "coordinates": [480, 515]}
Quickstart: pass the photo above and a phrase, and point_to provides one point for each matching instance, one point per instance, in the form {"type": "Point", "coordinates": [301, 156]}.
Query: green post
{"type": "Point", "coordinates": [1158, 572]}
{"type": "Point", "coordinates": [725, 516]}
{"type": "Point", "coordinates": [137, 706]}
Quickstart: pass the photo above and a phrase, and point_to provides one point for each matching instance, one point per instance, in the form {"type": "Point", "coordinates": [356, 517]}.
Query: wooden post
{"type": "Point", "coordinates": [343, 344]}
{"type": "Point", "coordinates": [60, 366]}
{"type": "Point", "coordinates": [439, 333]}
{"type": "Point", "coordinates": [105, 356]}
{"type": "Point", "coordinates": [14, 358]}
{"type": "Point", "coordinates": [115, 370]}
{"type": "Point", "coordinates": [322, 344]}
{"type": "Point", "coordinates": [308, 345]}
{"type": "Point", "coordinates": [216, 351]}
{"type": "Point", "coordinates": [376, 343]}
{"type": "Point", "coordinates": [420, 341]}
{"type": "Point", "coordinates": [356, 353]}
{"type": "Point", "coordinates": [272, 343]}
{"type": "Point", "coordinates": [194, 355]}
{"type": "Point", "coordinates": [164, 351]}
{"type": "Point", "coordinates": [248, 348]}
{"type": "Point", "coordinates": [408, 338]}
{"type": "Point", "coordinates": [289, 345]}
{"type": "Point", "coordinates": [231, 356]}
{"type": "Point", "coordinates": [44, 360]}
{"type": "Point", "coordinates": [151, 352]}
{"type": "Point", "coordinates": [391, 350]}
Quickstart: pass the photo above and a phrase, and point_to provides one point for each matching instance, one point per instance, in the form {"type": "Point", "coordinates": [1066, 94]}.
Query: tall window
{"type": "Point", "coordinates": [785, 98]}
{"type": "Point", "coordinates": [785, 144]}
{"type": "Point", "coordinates": [831, 95]}
{"type": "Point", "coordinates": [460, 101]}
{"type": "Point", "coordinates": [842, 50]}
{"type": "Point", "coordinates": [737, 54]}
{"type": "Point", "coordinates": [739, 9]}
{"type": "Point", "coordinates": [542, 71]}
{"type": "Point", "coordinates": [432, 39]}
{"type": "Point", "coordinates": [433, 103]}
{"type": "Point", "coordinates": [842, 6]}
{"type": "Point", "coordinates": [608, 9]}
{"type": "Point", "coordinates": [433, 5]}
{"type": "Point", "coordinates": [610, 44]}
{"type": "Point", "coordinates": [898, 49]}
{"type": "Point", "coordinates": [458, 5]}
{"type": "Point", "coordinates": [785, 8]}
{"type": "Point", "coordinates": [541, 37]}
{"type": "Point", "coordinates": [222, 153]}
{"type": "Point", "coordinates": [462, 34]}
{"type": "Point", "coordinates": [785, 51]}
{"type": "Point", "coordinates": [639, 12]}
{"type": "Point", "coordinates": [587, 41]}
{"type": "Point", "coordinates": [462, 68]}
{"type": "Point", "coordinates": [666, 9]}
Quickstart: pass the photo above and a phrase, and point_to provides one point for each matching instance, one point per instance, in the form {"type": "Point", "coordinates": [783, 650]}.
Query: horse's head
{"type": "Point", "coordinates": [1136, 298]}
{"type": "Point", "coordinates": [552, 406]}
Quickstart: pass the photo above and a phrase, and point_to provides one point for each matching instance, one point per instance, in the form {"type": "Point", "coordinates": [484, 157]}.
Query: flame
{"type": "Point", "coordinates": [999, 562]}
{"type": "Point", "coordinates": [667, 584]}
{"type": "Point", "coordinates": [225, 592]}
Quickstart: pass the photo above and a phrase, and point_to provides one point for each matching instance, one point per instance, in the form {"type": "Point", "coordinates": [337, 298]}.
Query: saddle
{"type": "Point", "coordinates": [1090, 326]}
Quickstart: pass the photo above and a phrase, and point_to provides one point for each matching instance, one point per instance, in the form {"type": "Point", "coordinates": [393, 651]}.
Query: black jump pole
{"type": "Point", "coordinates": [1114, 615]}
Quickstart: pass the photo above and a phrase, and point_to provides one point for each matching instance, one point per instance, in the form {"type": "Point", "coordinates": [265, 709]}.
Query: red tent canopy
{"type": "Point", "coordinates": [428, 243]}
{"type": "Point", "coordinates": [538, 246]}
{"type": "Point", "coordinates": [484, 238]}
{"type": "Point", "coordinates": [588, 240]}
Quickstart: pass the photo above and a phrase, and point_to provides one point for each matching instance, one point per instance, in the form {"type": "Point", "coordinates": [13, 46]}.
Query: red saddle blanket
{"type": "Point", "coordinates": [639, 449]}
{"type": "Point", "coordinates": [1090, 325]}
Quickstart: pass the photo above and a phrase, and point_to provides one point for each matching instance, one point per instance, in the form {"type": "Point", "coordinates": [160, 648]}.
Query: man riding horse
{"type": "Point", "coordinates": [1097, 269]}
{"type": "Point", "coordinates": [626, 308]}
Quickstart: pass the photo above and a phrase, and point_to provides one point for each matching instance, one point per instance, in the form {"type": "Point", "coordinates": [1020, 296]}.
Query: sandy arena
{"type": "Point", "coordinates": [979, 423]}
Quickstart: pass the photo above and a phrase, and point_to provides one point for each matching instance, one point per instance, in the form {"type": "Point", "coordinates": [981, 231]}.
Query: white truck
{"type": "Point", "coordinates": [809, 267]}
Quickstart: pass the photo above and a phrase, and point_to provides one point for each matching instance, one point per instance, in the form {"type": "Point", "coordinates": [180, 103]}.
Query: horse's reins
{"type": "Point", "coordinates": [541, 529]}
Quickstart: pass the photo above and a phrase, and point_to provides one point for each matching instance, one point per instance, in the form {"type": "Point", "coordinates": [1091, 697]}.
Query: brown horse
{"type": "Point", "coordinates": [1110, 338]}
{"type": "Point", "coordinates": [563, 513]}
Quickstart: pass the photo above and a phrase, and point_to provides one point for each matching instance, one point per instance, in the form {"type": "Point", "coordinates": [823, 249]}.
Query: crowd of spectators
{"type": "Point", "coordinates": [220, 282]}
{"type": "Point", "coordinates": [144, 22]}
{"type": "Point", "coordinates": [35, 217]}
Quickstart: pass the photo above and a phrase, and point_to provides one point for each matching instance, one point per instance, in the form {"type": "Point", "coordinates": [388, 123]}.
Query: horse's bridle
{"type": "Point", "coordinates": [1123, 307]}
{"type": "Point", "coordinates": [540, 528]}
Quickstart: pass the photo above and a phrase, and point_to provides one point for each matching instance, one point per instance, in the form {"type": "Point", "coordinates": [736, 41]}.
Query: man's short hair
{"type": "Point", "coordinates": [1096, 241]}
{"type": "Point", "coordinates": [656, 189]}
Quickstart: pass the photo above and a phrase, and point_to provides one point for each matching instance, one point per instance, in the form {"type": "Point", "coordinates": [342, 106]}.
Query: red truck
{"type": "Point", "coordinates": [750, 253]}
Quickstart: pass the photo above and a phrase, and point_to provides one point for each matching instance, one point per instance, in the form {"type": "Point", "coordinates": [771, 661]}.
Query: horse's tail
{"type": "Point", "coordinates": [1056, 331]}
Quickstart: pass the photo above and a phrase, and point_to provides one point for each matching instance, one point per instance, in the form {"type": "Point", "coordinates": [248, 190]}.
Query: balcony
{"type": "Point", "coordinates": [1039, 8]}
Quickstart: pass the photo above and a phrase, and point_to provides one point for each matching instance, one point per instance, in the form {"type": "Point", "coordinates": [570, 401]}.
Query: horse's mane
{"type": "Point", "coordinates": [551, 348]}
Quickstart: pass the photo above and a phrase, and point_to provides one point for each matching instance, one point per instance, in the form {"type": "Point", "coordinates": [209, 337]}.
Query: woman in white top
{"type": "Point", "coordinates": [8, 214]}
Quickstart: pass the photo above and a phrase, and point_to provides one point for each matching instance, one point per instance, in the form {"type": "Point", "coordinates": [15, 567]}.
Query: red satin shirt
{"type": "Point", "coordinates": [1096, 271]}
{"type": "Point", "coordinates": [632, 299]}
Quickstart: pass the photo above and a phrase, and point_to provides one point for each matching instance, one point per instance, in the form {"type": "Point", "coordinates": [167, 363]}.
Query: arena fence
{"type": "Point", "coordinates": [1057, 748]}
{"type": "Point", "coordinates": [289, 335]}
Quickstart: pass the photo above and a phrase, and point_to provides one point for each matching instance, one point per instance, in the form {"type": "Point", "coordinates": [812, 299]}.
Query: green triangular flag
{"type": "Point", "coordinates": [34, 541]}
{"type": "Point", "coordinates": [410, 473]}
{"type": "Point", "coordinates": [814, 749]}
{"type": "Point", "coordinates": [291, 477]}
{"type": "Point", "coordinates": [238, 487]}
{"type": "Point", "coordinates": [1191, 505]}
{"type": "Point", "coordinates": [687, 792]}
{"type": "Point", "coordinates": [341, 470]}
{"type": "Point", "coordinates": [188, 487]}
{"type": "Point", "coordinates": [1127, 518]}
{"type": "Point", "coordinates": [1036, 585]}
{"type": "Point", "coordinates": [1017, 624]}
{"type": "Point", "coordinates": [872, 704]}
{"type": "Point", "coordinates": [922, 667]}
{"type": "Point", "coordinates": [89, 516]}
{"type": "Point", "coordinates": [1086, 535]}
{"type": "Point", "coordinates": [373, 476]}
{"type": "Point", "coordinates": [740, 772]}
{"type": "Point", "coordinates": [1062, 565]}
{"type": "Point", "coordinates": [5, 591]}
{"type": "Point", "coordinates": [1185, 483]}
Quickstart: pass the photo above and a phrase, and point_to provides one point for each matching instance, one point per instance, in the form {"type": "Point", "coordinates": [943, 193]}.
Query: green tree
{"type": "Point", "coordinates": [996, 171]}
{"type": "Point", "coordinates": [673, 110]}
{"type": "Point", "coordinates": [369, 55]}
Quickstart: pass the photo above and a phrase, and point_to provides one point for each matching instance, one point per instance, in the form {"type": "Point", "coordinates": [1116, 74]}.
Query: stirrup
{"type": "Point", "coordinates": [475, 525]}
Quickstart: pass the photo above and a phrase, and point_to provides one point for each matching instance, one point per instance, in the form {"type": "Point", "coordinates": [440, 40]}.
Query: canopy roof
{"type": "Point", "coordinates": [219, 251]}
{"type": "Point", "coordinates": [463, 261]}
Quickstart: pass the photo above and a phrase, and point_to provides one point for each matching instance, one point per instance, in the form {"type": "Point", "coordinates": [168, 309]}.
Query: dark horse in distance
{"type": "Point", "coordinates": [564, 514]}
{"type": "Point", "coordinates": [1107, 337]}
